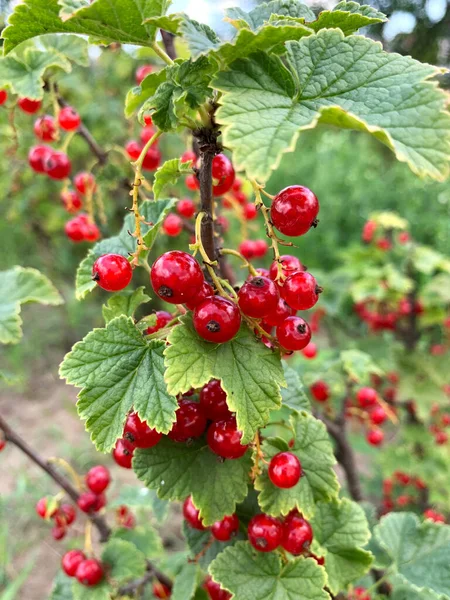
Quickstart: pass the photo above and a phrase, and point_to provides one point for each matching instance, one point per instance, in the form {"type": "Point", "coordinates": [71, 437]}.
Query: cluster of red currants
{"type": "Point", "coordinates": [88, 571]}
{"type": "Point", "coordinates": [359, 593]}
{"type": "Point", "coordinates": [384, 241]}
{"type": "Point", "coordinates": [401, 491]}
{"type": "Point", "coordinates": [440, 420]}
{"type": "Point", "coordinates": [62, 515]}
{"type": "Point", "coordinates": [133, 148]}
{"type": "Point", "coordinates": [385, 315]}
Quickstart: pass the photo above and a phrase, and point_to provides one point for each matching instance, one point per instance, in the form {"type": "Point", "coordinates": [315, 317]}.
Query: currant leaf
{"type": "Point", "coordinates": [170, 23]}
{"type": "Point", "coordinates": [358, 366]}
{"type": "Point", "coordinates": [169, 174]}
{"type": "Point", "coordinates": [125, 303]}
{"type": "Point", "coordinates": [260, 15]}
{"type": "Point", "coordinates": [73, 47]}
{"type": "Point", "coordinates": [265, 105]}
{"type": "Point", "coordinates": [250, 373]}
{"type": "Point", "coordinates": [185, 582]}
{"type": "Point", "coordinates": [19, 286]}
{"type": "Point", "coordinates": [139, 94]}
{"type": "Point", "coordinates": [313, 448]}
{"type": "Point", "coordinates": [294, 395]}
{"type": "Point", "coordinates": [251, 574]}
{"type": "Point", "coordinates": [203, 545]}
{"type": "Point", "coordinates": [123, 560]}
{"type": "Point", "coordinates": [341, 530]}
{"type": "Point", "coordinates": [200, 37]}
{"type": "Point", "coordinates": [101, 591]}
{"type": "Point", "coordinates": [144, 538]}
{"type": "Point", "coordinates": [118, 370]}
{"type": "Point", "coordinates": [348, 16]}
{"type": "Point", "coordinates": [176, 471]}
{"type": "Point", "coordinates": [123, 243]}
{"type": "Point", "coordinates": [62, 587]}
{"type": "Point", "coordinates": [420, 551]}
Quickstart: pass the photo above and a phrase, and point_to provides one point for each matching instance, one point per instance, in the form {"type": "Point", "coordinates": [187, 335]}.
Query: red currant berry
{"type": "Point", "coordinates": [75, 230]}
{"type": "Point", "coordinates": [2, 444]}
{"type": "Point", "coordinates": [260, 248]}
{"type": "Point", "coordinates": [258, 297]}
{"type": "Point", "coordinates": [69, 119]}
{"type": "Point", "coordinates": [247, 249]}
{"type": "Point", "coordinates": [71, 561]}
{"type": "Point", "coordinates": [45, 129]}
{"type": "Point", "coordinates": [91, 231]}
{"type": "Point", "coordinates": [250, 211]}
{"type": "Point", "coordinates": [87, 501]}
{"type": "Point", "coordinates": [139, 434]}
{"type": "Point", "coordinates": [310, 351]}
{"type": "Point", "coordinates": [294, 210]}
{"type": "Point", "coordinates": [41, 509]}
{"type": "Point", "coordinates": [162, 318]}
{"type": "Point", "coordinates": [152, 159]}
{"type": "Point", "coordinates": [223, 174]}
{"type": "Point", "coordinates": [161, 590]}
{"type": "Point", "coordinates": [71, 201]}
{"type": "Point", "coordinates": [240, 197]}
{"type": "Point", "coordinates": [281, 312]}
{"type": "Point", "coordinates": [285, 470]}
{"type": "Point", "coordinates": [294, 333]}
{"type": "Point", "coordinates": [57, 165]}
{"type": "Point", "coordinates": [215, 592]}
{"type": "Point", "coordinates": [38, 156]}
{"type": "Point", "coordinates": [28, 105]}
{"type": "Point", "coordinates": [441, 438]}
{"type": "Point", "coordinates": [148, 119]}
{"type": "Point", "coordinates": [58, 533]}
{"type": "Point", "coordinates": [225, 529]}
{"type": "Point", "coordinates": [361, 594]}
{"type": "Point", "coordinates": [237, 185]}
{"type": "Point", "coordinates": [378, 415]}
{"type": "Point", "coordinates": [192, 182]}
{"type": "Point", "coordinates": [434, 516]}
{"type": "Point", "coordinates": [320, 391]}
{"type": "Point", "coordinates": [176, 277]}
{"type": "Point", "coordinates": [265, 533]}
{"type": "Point", "coordinates": [142, 72]}
{"type": "Point", "coordinates": [84, 182]}
{"type": "Point", "coordinates": [205, 292]}
{"type": "Point", "coordinates": [300, 290]}
{"type": "Point", "coordinates": [192, 515]}
{"type": "Point", "coordinates": [297, 534]}
{"type": "Point", "coordinates": [217, 319]}
{"type": "Point", "coordinates": [112, 272]}
{"type": "Point", "coordinates": [3, 97]}
{"type": "Point", "coordinates": [404, 237]}
{"type": "Point", "coordinates": [123, 453]}
{"type": "Point", "coordinates": [224, 439]}
{"type": "Point", "coordinates": [223, 223]}
{"type": "Point", "coordinates": [375, 437]}
{"type": "Point", "coordinates": [133, 149]}
{"type": "Point", "coordinates": [186, 208]}
{"type": "Point", "coordinates": [289, 265]}
{"type": "Point", "coordinates": [172, 225]}
{"type": "Point", "coordinates": [213, 401]}
{"type": "Point", "coordinates": [190, 423]}
{"type": "Point", "coordinates": [89, 572]}
{"type": "Point", "coordinates": [384, 244]}
{"type": "Point", "coordinates": [366, 397]}
{"type": "Point", "coordinates": [146, 135]}
{"type": "Point", "coordinates": [188, 156]}
{"type": "Point", "coordinates": [368, 231]}
{"type": "Point", "coordinates": [97, 479]}
{"type": "Point", "coordinates": [69, 512]}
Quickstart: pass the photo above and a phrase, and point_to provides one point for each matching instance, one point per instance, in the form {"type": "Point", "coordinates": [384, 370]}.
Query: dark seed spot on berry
{"type": "Point", "coordinates": [213, 326]}
{"type": "Point", "coordinates": [126, 452]}
{"type": "Point", "coordinates": [301, 328]}
{"type": "Point", "coordinates": [128, 436]}
{"type": "Point", "coordinates": [96, 276]}
{"type": "Point", "coordinates": [261, 542]}
{"type": "Point", "coordinates": [165, 292]}
{"type": "Point", "coordinates": [258, 282]}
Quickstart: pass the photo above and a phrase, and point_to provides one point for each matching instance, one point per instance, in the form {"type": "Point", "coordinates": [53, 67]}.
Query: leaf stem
{"type": "Point", "coordinates": [237, 254]}
{"type": "Point", "coordinates": [162, 54]}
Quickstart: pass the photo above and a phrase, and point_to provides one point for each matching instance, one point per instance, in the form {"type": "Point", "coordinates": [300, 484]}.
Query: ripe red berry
{"type": "Point", "coordinates": [320, 391]}
{"type": "Point", "coordinates": [434, 516]}
{"type": "Point", "coordinates": [297, 534]}
{"type": "Point", "coordinates": [2, 444]}
{"type": "Point", "coordinates": [258, 297]}
{"type": "Point", "coordinates": [300, 290]}
{"type": "Point", "coordinates": [162, 318]}
{"type": "Point", "coordinates": [223, 175]}
{"type": "Point", "coordinates": [215, 592]}
{"type": "Point", "coordinates": [250, 211]}
{"type": "Point", "coordinates": [223, 223]}
{"type": "Point", "coordinates": [187, 156]}
{"type": "Point", "coordinates": [265, 533]}
{"type": "Point", "coordinates": [294, 333]}
{"type": "Point", "coordinates": [192, 182]}
{"type": "Point", "coordinates": [112, 272]}
{"type": "Point", "coordinates": [41, 509]}
{"type": "Point", "coordinates": [59, 532]}
{"type": "Point", "coordinates": [378, 415]}
{"type": "Point", "coordinates": [285, 470]}
{"type": "Point", "coordinates": [260, 248]}
{"type": "Point", "coordinates": [384, 244]}
{"type": "Point", "coordinates": [224, 439]}
{"type": "Point", "coordinates": [213, 401]}
{"type": "Point", "coordinates": [69, 513]}
{"type": "Point", "coordinates": [146, 135]}
{"type": "Point", "coordinates": [361, 594]}
{"type": "Point", "coordinates": [142, 72]}
{"type": "Point", "coordinates": [289, 264]}
{"type": "Point", "coordinates": [123, 453]}
{"type": "Point", "coordinates": [3, 97]}
{"type": "Point", "coordinates": [139, 434]}
{"type": "Point", "coordinates": [403, 237]}
{"type": "Point", "coordinates": [441, 437]}
{"type": "Point", "coordinates": [89, 572]}
{"type": "Point", "coordinates": [192, 515]}
{"type": "Point", "coordinates": [310, 351]}
{"type": "Point", "coordinates": [366, 397]}
{"type": "Point", "coordinates": [133, 149]}
{"type": "Point", "coordinates": [217, 319]}
{"type": "Point", "coordinates": [148, 119]}
{"type": "Point", "coordinates": [38, 156]}
{"type": "Point", "coordinates": [69, 119]}
{"type": "Point", "coordinates": [87, 501]}
{"type": "Point", "coordinates": [190, 423]}
{"type": "Point", "coordinates": [84, 182]}
{"type": "Point", "coordinates": [172, 225]}
{"type": "Point", "coordinates": [161, 590]}
{"type": "Point", "coordinates": [281, 312]}
{"type": "Point", "coordinates": [71, 201]}
{"type": "Point", "coordinates": [75, 229]}
{"type": "Point", "coordinates": [225, 529]}
{"type": "Point", "coordinates": [294, 210]}
{"type": "Point", "coordinates": [28, 105]}
{"type": "Point", "coordinates": [205, 292]}
{"type": "Point", "coordinates": [186, 208]}
{"type": "Point", "coordinates": [97, 479]}
{"type": "Point", "coordinates": [375, 437]}
{"type": "Point", "coordinates": [71, 561]}
{"type": "Point", "coordinates": [176, 277]}
{"type": "Point", "coordinates": [247, 249]}
{"type": "Point", "coordinates": [152, 159]}
{"type": "Point", "coordinates": [57, 165]}
{"type": "Point", "coordinates": [368, 231]}
{"type": "Point", "coordinates": [44, 128]}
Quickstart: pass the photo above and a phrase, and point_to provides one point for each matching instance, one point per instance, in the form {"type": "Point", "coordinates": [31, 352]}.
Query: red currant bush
{"type": "Point", "coordinates": [112, 272]}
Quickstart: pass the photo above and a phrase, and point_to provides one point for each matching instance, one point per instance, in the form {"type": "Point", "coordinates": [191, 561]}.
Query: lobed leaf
{"type": "Point", "coordinates": [294, 395]}
{"type": "Point", "coordinates": [126, 303]}
{"type": "Point", "coordinates": [260, 15]}
{"type": "Point", "coordinates": [123, 560]}
{"type": "Point", "coordinates": [169, 174]}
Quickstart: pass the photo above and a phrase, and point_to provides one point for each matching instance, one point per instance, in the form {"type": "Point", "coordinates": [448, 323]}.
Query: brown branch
{"type": "Point", "coordinates": [134, 587]}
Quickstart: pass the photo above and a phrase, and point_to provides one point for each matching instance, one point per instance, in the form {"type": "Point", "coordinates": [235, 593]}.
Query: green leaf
{"type": "Point", "coordinates": [170, 23]}
{"type": "Point", "coordinates": [250, 373]}
{"type": "Point", "coordinates": [185, 582]}
{"type": "Point", "coordinates": [427, 260]}
{"type": "Point", "coordinates": [118, 370]}
{"type": "Point", "coordinates": [123, 560]}
{"type": "Point", "coordinates": [201, 543]}
{"type": "Point", "coordinates": [104, 20]}
{"type": "Point", "coordinates": [139, 94]}
{"type": "Point", "coordinates": [358, 365]}
{"type": "Point", "coordinates": [101, 591]}
{"type": "Point", "coordinates": [341, 529]}
{"type": "Point", "coordinates": [262, 13]}
{"type": "Point", "coordinates": [144, 538]}
{"type": "Point", "coordinates": [265, 105]}
{"type": "Point", "coordinates": [125, 303]}
{"type": "Point", "coordinates": [123, 243]}
{"type": "Point", "coordinates": [73, 47]}
{"type": "Point", "coordinates": [405, 592]}
{"type": "Point", "coordinates": [349, 17]}
{"type": "Point", "coordinates": [420, 551]}
{"type": "Point", "coordinates": [169, 174]}
{"type": "Point", "coordinates": [200, 37]}
{"type": "Point", "coordinates": [294, 395]}
{"type": "Point", "coordinates": [62, 587]}
{"type": "Point", "coordinates": [177, 471]}
{"type": "Point", "coordinates": [313, 448]}
{"type": "Point", "coordinates": [19, 286]}
{"type": "Point", "coordinates": [258, 576]}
